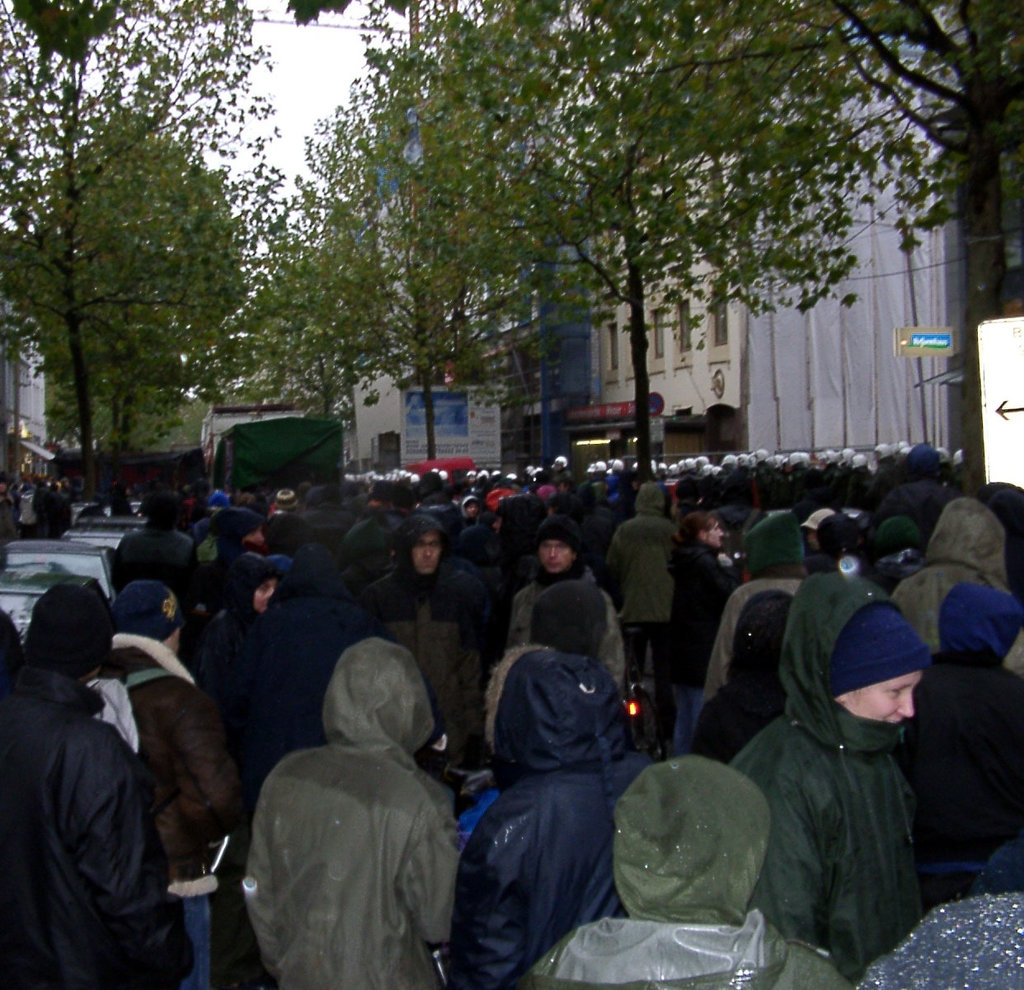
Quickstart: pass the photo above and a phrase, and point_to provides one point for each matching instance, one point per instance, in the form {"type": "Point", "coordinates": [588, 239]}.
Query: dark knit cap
{"type": "Point", "coordinates": [161, 510]}
{"type": "Point", "coordinates": [877, 644]}
{"type": "Point", "coordinates": [70, 632]}
{"type": "Point", "coordinates": [147, 608]}
{"type": "Point", "coordinates": [757, 642]}
{"type": "Point", "coordinates": [570, 616]}
{"type": "Point", "coordinates": [563, 529]}
{"type": "Point", "coordinates": [923, 461]}
{"type": "Point", "coordinates": [838, 534]}
{"type": "Point", "coordinates": [773, 541]}
{"type": "Point", "coordinates": [975, 618]}
{"type": "Point", "coordinates": [236, 522]}
{"type": "Point", "coordinates": [896, 533]}
{"type": "Point", "coordinates": [232, 525]}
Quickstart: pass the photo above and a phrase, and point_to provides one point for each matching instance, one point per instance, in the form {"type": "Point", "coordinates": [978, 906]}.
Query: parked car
{"type": "Point", "coordinates": [20, 590]}
{"type": "Point", "coordinates": [102, 531]}
{"type": "Point", "coordinates": [61, 557]}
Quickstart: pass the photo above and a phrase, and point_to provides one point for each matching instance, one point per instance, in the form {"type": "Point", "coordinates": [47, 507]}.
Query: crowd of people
{"type": "Point", "coordinates": [742, 724]}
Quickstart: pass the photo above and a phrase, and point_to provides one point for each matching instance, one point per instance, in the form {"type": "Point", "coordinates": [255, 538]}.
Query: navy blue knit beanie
{"type": "Point", "coordinates": [147, 608]}
{"type": "Point", "coordinates": [877, 644]}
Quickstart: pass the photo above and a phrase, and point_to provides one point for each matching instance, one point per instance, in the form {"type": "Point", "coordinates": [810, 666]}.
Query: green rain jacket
{"type": "Point", "coordinates": [353, 858]}
{"type": "Point", "coordinates": [839, 873]}
{"type": "Point", "coordinates": [638, 558]}
{"type": "Point", "coordinates": [968, 544]}
{"type": "Point", "coordinates": [690, 838]}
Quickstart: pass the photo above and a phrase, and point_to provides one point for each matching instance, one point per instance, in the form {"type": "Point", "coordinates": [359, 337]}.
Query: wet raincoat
{"type": "Point", "coordinates": [968, 545]}
{"type": "Point", "coordinates": [839, 873]}
{"type": "Point", "coordinates": [638, 558]}
{"type": "Point", "coordinates": [539, 862]}
{"type": "Point", "coordinates": [685, 866]}
{"type": "Point", "coordinates": [353, 852]}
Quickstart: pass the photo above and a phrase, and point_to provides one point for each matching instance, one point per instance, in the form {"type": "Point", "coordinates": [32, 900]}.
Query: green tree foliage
{"type": "Point", "coordinates": [397, 262]}
{"type": "Point", "coordinates": [955, 71]}
{"type": "Point", "coordinates": [123, 249]}
{"type": "Point", "coordinates": [689, 149]}
{"type": "Point", "coordinates": [306, 11]}
{"type": "Point", "coordinates": [65, 28]}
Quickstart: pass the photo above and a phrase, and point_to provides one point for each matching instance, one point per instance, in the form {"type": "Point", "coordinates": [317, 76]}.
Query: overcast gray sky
{"type": "Point", "coordinates": [313, 68]}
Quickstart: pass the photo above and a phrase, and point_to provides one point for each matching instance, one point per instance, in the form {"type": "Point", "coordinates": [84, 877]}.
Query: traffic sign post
{"type": "Point", "coordinates": [1001, 352]}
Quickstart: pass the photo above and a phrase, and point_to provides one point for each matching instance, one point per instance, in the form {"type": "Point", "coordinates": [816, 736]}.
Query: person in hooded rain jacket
{"type": "Point", "coordinates": [277, 686]}
{"type": "Point", "coordinates": [436, 612]}
{"type": "Point", "coordinates": [964, 748]}
{"type": "Point", "coordinates": [638, 560]}
{"type": "Point", "coordinates": [353, 859]}
{"type": "Point", "coordinates": [973, 944]}
{"type": "Point", "coordinates": [1008, 505]}
{"type": "Point", "coordinates": [250, 583]}
{"type": "Point", "coordinates": [968, 544]}
{"type": "Point", "coordinates": [539, 861]}
{"type": "Point", "coordinates": [685, 866]}
{"type": "Point", "coordinates": [839, 872]}
{"type": "Point", "coordinates": [248, 590]}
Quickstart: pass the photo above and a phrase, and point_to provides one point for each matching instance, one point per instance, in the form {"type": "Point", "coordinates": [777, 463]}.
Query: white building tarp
{"type": "Point", "coordinates": [830, 377]}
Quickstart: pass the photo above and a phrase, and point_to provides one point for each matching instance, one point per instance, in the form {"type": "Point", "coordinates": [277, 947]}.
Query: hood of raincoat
{"type": "Point", "coordinates": [821, 607]}
{"type": "Point", "coordinates": [682, 854]}
{"type": "Point", "coordinates": [411, 529]}
{"type": "Point", "coordinates": [314, 574]}
{"type": "Point", "coordinates": [244, 576]}
{"type": "Point", "coordinates": [1008, 506]}
{"type": "Point", "coordinates": [377, 699]}
{"type": "Point", "coordinates": [558, 710]}
{"type": "Point", "coordinates": [650, 500]}
{"type": "Point", "coordinates": [969, 533]}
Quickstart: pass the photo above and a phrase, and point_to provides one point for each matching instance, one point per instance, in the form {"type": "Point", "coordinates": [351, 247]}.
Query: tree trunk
{"type": "Point", "coordinates": [641, 380]}
{"type": "Point", "coordinates": [986, 269]}
{"type": "Point", "coordinates": [428, 413]}
{"type": "Point", "coordinates": [72, 316]}
{"type": "Point", "coordinates": [82, 402]}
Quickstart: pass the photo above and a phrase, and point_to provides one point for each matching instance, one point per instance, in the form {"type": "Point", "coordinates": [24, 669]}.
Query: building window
{"type": "Point", "coordinates": [658, 322]}
{"type": "Point", "coordinates": [718, 316]}
{"type": "Point", "coordinates": [684, 332]}
{"type": "Point", "coordinates": [613, 346]}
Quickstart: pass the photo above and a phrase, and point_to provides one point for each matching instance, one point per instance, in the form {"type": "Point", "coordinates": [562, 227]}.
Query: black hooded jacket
{"type": "Point", "coordinates": [83, 902]}
{"type": "Point", "coordinates": [437, 618]}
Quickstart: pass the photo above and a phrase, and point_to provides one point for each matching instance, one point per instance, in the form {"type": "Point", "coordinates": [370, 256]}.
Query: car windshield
{"type": "Point", "coordinates": [85, 565]}
{"type": "Point", "coordinates": [18, 605]}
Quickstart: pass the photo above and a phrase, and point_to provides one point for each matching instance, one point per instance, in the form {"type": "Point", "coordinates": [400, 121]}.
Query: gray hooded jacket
{"type": "Point", "coordinates": [353, 859]}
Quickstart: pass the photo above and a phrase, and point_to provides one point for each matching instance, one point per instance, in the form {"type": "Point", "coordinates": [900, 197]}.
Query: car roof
{"type": "Point", "coordinates": [52, 546]}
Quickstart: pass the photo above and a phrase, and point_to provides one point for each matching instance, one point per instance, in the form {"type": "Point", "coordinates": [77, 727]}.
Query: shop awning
{"type": "Point", "coordinates": [34, 448]}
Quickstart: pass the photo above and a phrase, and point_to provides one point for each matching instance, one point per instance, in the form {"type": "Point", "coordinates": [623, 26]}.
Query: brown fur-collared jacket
{"type": "Point", "coordinates": [181, 738]}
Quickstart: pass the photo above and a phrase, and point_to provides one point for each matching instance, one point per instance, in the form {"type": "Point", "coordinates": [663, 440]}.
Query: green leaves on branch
{"type": "Point", "coordinates": [127, 249]}
{"type": "Point", "coordinates": [306, 11]}
{"type": "Point", "coordinates": [63, 27]}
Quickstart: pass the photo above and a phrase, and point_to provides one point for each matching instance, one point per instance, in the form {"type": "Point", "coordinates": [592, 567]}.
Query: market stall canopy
{"type": "Point", "coordinates": [286, 451]}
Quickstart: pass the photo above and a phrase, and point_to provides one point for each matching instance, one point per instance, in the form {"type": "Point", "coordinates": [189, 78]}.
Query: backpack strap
{"type": "Point", "coordinates": [137, 677]}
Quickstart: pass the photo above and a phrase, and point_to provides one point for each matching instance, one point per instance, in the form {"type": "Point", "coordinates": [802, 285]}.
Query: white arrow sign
{"type": "Point", "coordinates": [1001, 350]}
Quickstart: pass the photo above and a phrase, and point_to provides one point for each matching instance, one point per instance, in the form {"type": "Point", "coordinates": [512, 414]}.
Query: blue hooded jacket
{"type": "Point", "coordinates": [539, 863]}
{"type": "Point", "coordinates": [280, 676]}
